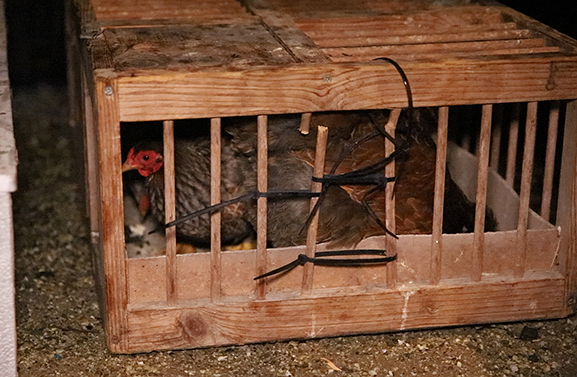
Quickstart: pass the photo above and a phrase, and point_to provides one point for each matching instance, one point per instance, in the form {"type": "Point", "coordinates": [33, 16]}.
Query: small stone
{"type": "Point", "coordinates": [534, 358]}
{"type": "Point", "coordinates": [514, 368]}
{"type": "Point", "coordinates": [529, 333]}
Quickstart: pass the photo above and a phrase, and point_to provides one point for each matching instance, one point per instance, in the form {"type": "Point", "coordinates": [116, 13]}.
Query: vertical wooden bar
{"type": "Point", "coordinates": [439, 199]}
{"type": "Point", "coordinates": [320, 152]}
{"type": "Point", "coordinates": [390, 219]}
{"type": "Point", "coordinates": [113, 248]}
{"type": "Point", "coordinates": [215, 218]}
{"type": "Point", "coordinates": [91, 168]}
{"type": "Point", "coordinates": [512, 145]}
{"type": "Point", "coordinates": [481, 198]}
{"type": "Point", "coordinates": [261, 219]}
{"type": "Point", "coordinates": [550, 160]}
{"type": "Point", "coordinates": [170, 212]}
{"type": "Point", "coordinates": [526, 175]}
{"type": "Point", "coordinates": [567, 208]}
{"type": "Point", "coordinates": [305, 123]}
{"type": "Point", "coordinates": [496, 137]}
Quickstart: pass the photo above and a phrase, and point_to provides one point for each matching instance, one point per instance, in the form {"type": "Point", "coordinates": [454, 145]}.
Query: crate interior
{"type": "Point", "coordinates": [504, 153]}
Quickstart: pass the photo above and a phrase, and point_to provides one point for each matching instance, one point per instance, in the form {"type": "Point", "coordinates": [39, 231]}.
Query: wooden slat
{"type": "Point", "coordinates": [170, 212]}
{"type": "Point", "coordinates": [481, 197]}
{"type": "Point", "coordinates": [512, 145]}
{"type": "Point", "coordinates": [215, 218]}
{"type": "Point", "coordinates": [496, 137]}
{"type": "Point", "coordinates": [390, 216]}
{"type": "Point", "coordinates": [318, 171]}
{"type": "Point", "coordinates": [567, 208]}
{"type": "Point", "coordinates": [91, 155]}
{"type": "Point", "coordinates": [349, 57]}
{"type": "Point", "coordinates": [439, 198]}
{"type": "Point", "coordinates": [338, 40]}
{"type": "Point", "coordinates": [147, 283]}
{"type": "Point", "coordinates": [433, 19]}
{"type": "Point", "coordinates": [171, 11]}
{"type": "Point", "coordinates": [261, 220]}
{"type": "Point", "coordinates": [526, 175]}
{"type": "Point", "coordinates": [440, 49]}
{"type": "Point", "coordinates": [550, 160]}
{"type": "Point", "coordinates": [112, 225]}
{"type": "Point", "coordinates": [341, 87]}
{"type": "Point", "coordinates": [416, 306]}
{"type": "Point", "coordinates": [304, 128]}
{"type": "Point", "coordinates": [186, 47]}
{"type": "Point", "coordinates": [398, 29]}
{"type": "Point", "coordinates": [282, 26]}
{"type": "Point", "coordinates": [552, 35]}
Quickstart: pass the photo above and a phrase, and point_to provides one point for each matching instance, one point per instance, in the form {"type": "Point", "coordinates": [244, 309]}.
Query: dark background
{"type": "Point", "coordinates": [36, 35]}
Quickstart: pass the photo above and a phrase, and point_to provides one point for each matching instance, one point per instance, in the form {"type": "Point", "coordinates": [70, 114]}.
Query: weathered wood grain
{"type": "Point", "coordinates": [526, 176]}
{"type": "Point", "coordinates": [481, 195]}
{"type": "Point", "coordinates": [193, 47]}
{"type": "Point", "coordinates": [567, 208]}
{"type": "Point", "coordinates": [215, 218]}
{"type": "Point", "coordinates": [112, 217]}
{"type": "Point", "coordinates": [439, 198]}
{"type": "Point", "coordinates": [283, 27]}
{"type": "Point", "coordinates": [171, 11]}
{"type": "Point", "coordinates": [291, 89]}
{"type": "Point", "coordinates": [550, 153]}
{"type": "Point", "coordinates": [262, 205]}
{"type": "Point", "coordinates": [412, 306]}
{"type": "Point", "coordinates": [170, 212]}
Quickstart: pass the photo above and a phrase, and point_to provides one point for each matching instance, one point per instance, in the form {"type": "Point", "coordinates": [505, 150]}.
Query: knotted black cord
{"type": "Point", "coordinates": [320, 260]}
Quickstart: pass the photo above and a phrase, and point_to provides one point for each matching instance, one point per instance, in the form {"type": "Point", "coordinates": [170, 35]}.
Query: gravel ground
{"type": "Point", "coordinates": [59, 324]}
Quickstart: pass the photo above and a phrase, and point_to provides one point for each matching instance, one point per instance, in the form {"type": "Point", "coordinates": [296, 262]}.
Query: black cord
{"type": "Point", "coordinates": [320, 259]}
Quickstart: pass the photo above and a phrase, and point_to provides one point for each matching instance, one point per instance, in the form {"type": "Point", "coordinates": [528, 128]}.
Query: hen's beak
{"type": "Point", "coordinates": [128, 166]}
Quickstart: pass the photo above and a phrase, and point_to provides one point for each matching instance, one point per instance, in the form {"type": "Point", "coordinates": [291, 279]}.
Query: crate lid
{"type": "Point", "coordinates": [454, 51]}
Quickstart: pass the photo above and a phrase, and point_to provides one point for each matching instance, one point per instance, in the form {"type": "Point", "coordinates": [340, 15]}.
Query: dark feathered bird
{"type": "Point", "coordinates": [343, 220]}
{"type": "Point", "coordinates": [192, 181]}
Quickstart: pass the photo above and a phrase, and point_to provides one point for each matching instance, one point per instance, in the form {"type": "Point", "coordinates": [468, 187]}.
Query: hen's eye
{"type": "Point", "coordinates": [146, 157]}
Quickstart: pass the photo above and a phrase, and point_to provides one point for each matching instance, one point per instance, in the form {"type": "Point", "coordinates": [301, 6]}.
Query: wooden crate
{"type": "Point", "coordinates": [166, 60]}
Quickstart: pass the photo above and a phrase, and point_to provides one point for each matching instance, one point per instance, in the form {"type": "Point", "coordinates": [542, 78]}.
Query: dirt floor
{"type": "Point", "coordinates": [59, 325]}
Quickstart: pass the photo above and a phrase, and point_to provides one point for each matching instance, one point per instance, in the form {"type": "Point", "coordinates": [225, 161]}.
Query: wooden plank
{"type": "Point", "coordinates": [312, 231]}
{"type": "Point", "coordinates": [390, 215]}
{"type": "Point", "coordinates": [418, 17]}
{"type": "Point", "coordinates": [397, 51]}
{"type": "Point", "coordinates": [512, 144]}
{"type": "Point", "coordinates": [112, 217]}
{"type": "Point", "coordinates": [550, 160]}
{"type": "Point", "coordinates": [215, 218]}
{"type": "Point", "coordinates": [304, 128]}
{"type": "Point", "coordinates": [193, 47]}
{"type": "Point", "coordinates": [232, 322]}
{"type": "Point", "coordinates": [400, 29]}
{"type": "Point", "coordinates": [294, 89]}
{"type": "Point", "coordinates": [170, 212]}
{"type": "Point", "coordinates": [526, 175]}
{"type": "Point", "coordinates": [538, 28]}
{"type": "Point", "coordinates": [283, 28]}
{"type": "Point", "coordinates": [481, 196]}
{"type": "Point", "coordinates": [496, 132]}
{"type": "Point", "coordinates": [171, 11]}
{"type": "Point", "coordinates": [336, 41]}
{"type": "Point", "coordinates": [147, 283]}
{"type": "Point", "coordinates": [262, 207]}
{"type": "Point", "coordinates": [439, 198]}
{"type": "Point", "coordinates": [567, 208]}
